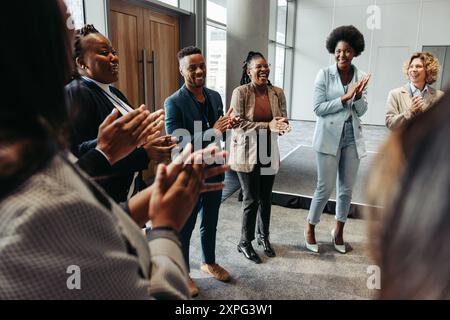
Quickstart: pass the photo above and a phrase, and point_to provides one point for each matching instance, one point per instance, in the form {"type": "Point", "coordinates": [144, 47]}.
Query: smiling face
{"type": "Point", "coordinates": [417, 73]}
{"type": "Point", "coordinates": [343, 54]}
{"type": "Point", "coordinates": [259, 71]}
{"type": "Point", "coordinates": [100, 61]}
{"type": "Point", "coordinates": [193, 70]}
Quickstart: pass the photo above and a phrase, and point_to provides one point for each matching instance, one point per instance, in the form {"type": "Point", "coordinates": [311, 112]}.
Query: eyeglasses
{"type": "Point", "coordinates": [260, 66]}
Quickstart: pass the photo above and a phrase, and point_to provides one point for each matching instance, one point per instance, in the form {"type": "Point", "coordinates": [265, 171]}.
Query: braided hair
{"type": "Point", "coordinates": [78, 51]}
{"type": "Point", "coordinates": [252, 55]}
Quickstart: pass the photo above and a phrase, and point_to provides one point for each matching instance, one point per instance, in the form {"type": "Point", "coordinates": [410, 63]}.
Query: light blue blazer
{"type": "Point", "coordinates": [332, 113]}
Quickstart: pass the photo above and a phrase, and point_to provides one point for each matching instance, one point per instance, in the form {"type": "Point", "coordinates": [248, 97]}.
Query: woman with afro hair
{"type": "Point", "coordinates": [339, 101]}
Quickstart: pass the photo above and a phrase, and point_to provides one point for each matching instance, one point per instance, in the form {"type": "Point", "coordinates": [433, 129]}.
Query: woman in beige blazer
{"type": "Point", "coordinates": [254, 153]}
{"type": "Point", "coordinates": [403, 103]}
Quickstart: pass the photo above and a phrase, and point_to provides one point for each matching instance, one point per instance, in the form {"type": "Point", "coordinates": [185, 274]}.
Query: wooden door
{"type": "Point", "coordinates": [127, 39]}
{"type": "Point", "coordinates": [161, 38]}
{"type": "Point", "coordinates": [147, 43]}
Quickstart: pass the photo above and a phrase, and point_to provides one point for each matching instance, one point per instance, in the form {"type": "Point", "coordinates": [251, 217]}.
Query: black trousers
{"type": "Point", "coordinates": [256, 203]}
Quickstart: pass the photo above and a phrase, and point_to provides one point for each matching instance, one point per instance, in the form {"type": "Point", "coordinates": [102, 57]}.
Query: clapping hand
{"type": "Point", "coordinates": [176, 194]}
{"type": "Point", "coordinates": [356, 90]}
{"type": "Point", "coordinates": [418, 105]}
{"type": "Point", "coordinates": [119, 136]}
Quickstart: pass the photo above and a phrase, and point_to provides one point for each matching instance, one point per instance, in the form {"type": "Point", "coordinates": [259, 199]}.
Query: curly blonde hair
{"type": "Point", "coordinates": [430, 62]}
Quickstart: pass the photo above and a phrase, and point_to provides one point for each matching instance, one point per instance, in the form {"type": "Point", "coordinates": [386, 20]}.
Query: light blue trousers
{"type": "Point", "coordinates": [340, 169]}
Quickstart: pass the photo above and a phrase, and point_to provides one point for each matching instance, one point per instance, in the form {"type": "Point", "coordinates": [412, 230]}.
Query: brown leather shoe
{"type": "Point", "coordinates": [216, 271]}
{"type": "Point", "coordinates": [192, 287]}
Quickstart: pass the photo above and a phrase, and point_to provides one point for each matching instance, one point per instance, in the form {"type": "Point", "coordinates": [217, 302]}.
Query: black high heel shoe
{"type": "Point", "coordinates": [268, 250]}
{"type": "Point", "coordinates": [247, 249]}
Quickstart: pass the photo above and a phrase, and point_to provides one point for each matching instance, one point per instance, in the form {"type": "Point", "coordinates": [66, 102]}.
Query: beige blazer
{"type": "Point", "coordinates": [243, 144]}
{"type": "Point", "coordinates": [399, 103]}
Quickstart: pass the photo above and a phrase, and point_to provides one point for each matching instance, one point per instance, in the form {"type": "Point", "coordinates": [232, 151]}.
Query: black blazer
{"type": "Point", "coordinates": [89, 108]}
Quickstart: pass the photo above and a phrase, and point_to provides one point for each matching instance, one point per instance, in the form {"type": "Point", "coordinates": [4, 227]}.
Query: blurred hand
{"type": "Point", "coordinates": [418, 105]}
{"type": "Point", "coordinates": [154, 124]}
{"type": "Point", "coordinates": [142, 206]}
{"type": "Point", "coordinates": [233, 120]}
{"type": "Point", "coordinates": [160, 148]}
{"type": "Point", "coordinates": [118, 137]}
{"type": "Point", "coordinates": [278, 124]}
{"type": "Point", "coordinates": [221, 124]}
{"type": "Point", "coordinates": [172, 203]}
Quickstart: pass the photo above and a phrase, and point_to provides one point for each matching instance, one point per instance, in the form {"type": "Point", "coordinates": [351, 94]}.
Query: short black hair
{"type": "Point", "coordinates": [349, 34]}
{"type": "Point", "coordinates": [188, 51]}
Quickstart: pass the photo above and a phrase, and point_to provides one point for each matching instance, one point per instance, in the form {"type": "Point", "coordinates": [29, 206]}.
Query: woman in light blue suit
{"type": "Point", "coordinates": [339, 102]}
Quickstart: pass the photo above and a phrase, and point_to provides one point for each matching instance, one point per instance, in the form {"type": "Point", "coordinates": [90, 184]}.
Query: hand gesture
{"type": "Point", "coordinates": [418, 105]}
{"type": "Point", "coordinates": [142, 206]}
{"type": "Point", "coordinates": [118, 137]}
{"type": "Point", "coordinates": [232, 119]}
{"type": "Point", "coordinates": [160, 148]}
{"type": "Point", "coordinates": [356, 90]}
{"type": "Point", "coordinates": [361, 85]}
{"type": "Point", "coordinates": [155, 124]}
{"type": "Point", "coordinates": [278, 124]}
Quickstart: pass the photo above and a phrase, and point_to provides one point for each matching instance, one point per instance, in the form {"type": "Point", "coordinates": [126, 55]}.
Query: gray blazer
{"type": "Point", "coordinates": [331, 113]}
{"type": "Point", "coordinates": [398, 105]}
{"type": "Point", "coordinates": [57, 219]}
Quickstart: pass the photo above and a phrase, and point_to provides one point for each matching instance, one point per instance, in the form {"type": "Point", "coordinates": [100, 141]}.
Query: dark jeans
{"type": "Point", "coordinates": [208, 204]}
{"type": "Point", "coordinates": [257, 192]}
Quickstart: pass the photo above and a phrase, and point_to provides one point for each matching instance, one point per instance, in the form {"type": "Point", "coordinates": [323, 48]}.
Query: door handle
{"type": "Point", "coordinates": [144, 71]}
{"type": "Point", "coordinates": [153, 62]}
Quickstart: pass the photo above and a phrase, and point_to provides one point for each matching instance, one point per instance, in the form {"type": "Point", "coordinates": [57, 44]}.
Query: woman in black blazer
{"type": "Point", "coordinates": [93, 98]}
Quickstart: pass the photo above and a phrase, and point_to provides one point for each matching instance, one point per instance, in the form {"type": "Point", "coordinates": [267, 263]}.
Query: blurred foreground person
{"type": "Point", "coordinates": [410, 236]}
{"type": "Point", "coordinates": [61, 237]}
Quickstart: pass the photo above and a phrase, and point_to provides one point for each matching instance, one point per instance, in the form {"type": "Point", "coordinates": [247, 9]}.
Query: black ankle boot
{"type": "Point", "coordinates": [268, 250]}
{"type": "Point", "coordinates": [246, 248]}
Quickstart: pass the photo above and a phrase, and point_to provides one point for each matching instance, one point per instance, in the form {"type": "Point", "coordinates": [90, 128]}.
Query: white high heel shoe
{"type": "Point", "coordinates": [339, 247]}
{"type": "Point", "coordinates": [311, 247]}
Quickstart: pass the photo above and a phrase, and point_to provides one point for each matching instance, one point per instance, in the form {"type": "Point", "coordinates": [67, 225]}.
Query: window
{"type": "Point", "coordinates": [216, 46]}
{"type": "Point", "coordinates": [281, 43]}
{"type": "Point", "coordinates": [217, 11]}
{"type": "Point", "coordinates": [279, 66]}
{"type": "Point", "coordinates": [171, 2]}
{"type": "Point", "coordinates": [76, 9]}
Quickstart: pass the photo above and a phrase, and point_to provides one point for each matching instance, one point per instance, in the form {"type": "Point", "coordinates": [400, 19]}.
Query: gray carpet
{"type": "Point", "coordinates": [295, 273]}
